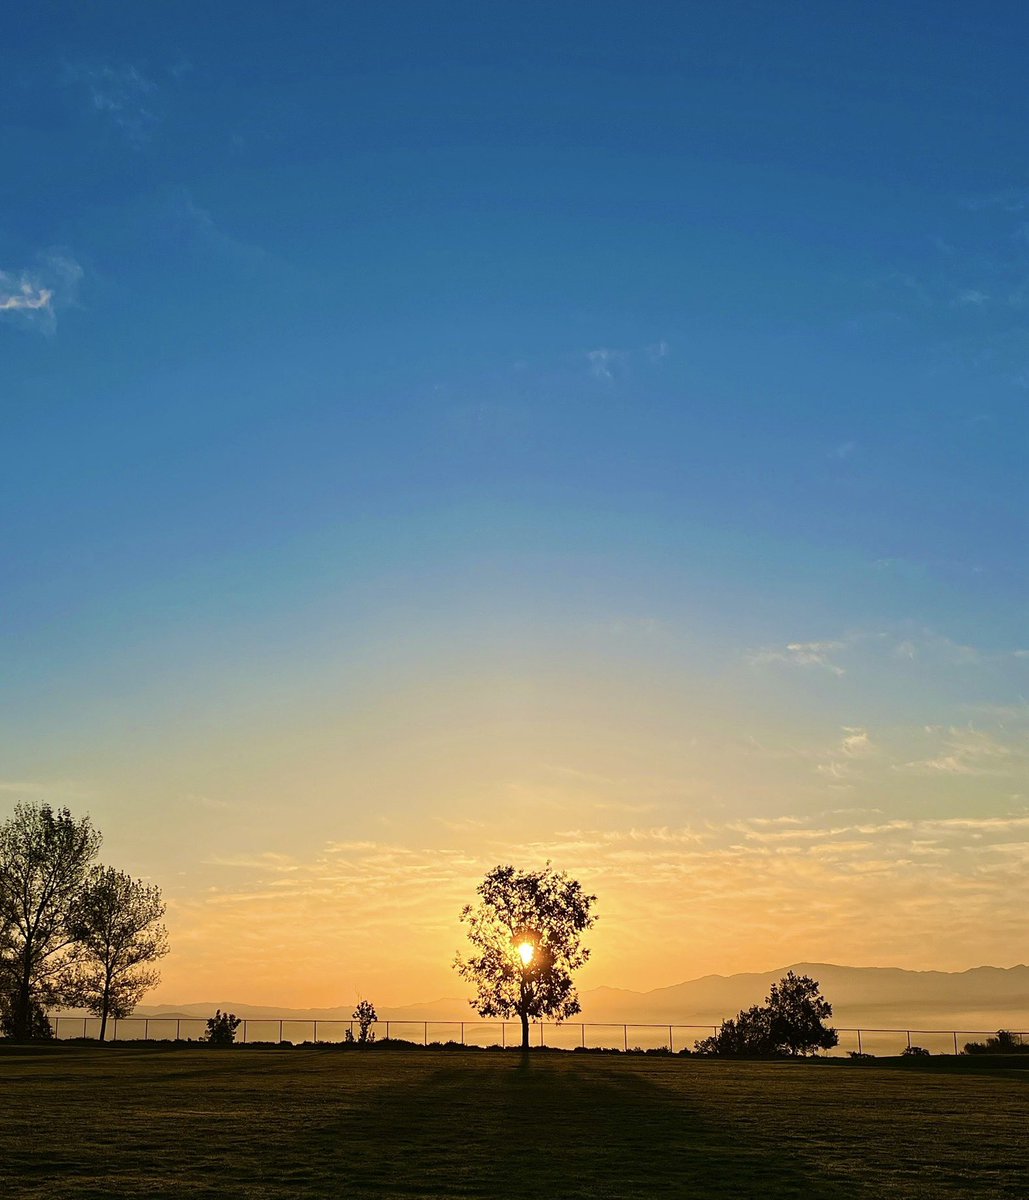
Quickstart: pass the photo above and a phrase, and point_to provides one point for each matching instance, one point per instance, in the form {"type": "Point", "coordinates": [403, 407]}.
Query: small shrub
{"type": "Point", "coordinates": [365, 1016]}
{"type": "Point", "coordinates": [860, 1055]}
{"type": "Point", "coordinates": [221, 1028]}
{"type": "Point", "coordinates": [1004, 1043]}
{"type": "Point", "coordinates": [915, 1052]}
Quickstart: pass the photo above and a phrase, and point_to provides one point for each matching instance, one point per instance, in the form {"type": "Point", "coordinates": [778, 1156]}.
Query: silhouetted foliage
{"type": "Point", "coordinates": [365, 1017]}
{"type": "Point", "coordinates": [44, 857]}
{"type": "Point", "coordinates": [544, 911]}
{"type": "Point", "coordinates": [1004, 1043]}
{"type": "Point", "coordinates": [914, 1052]}
{"type": "Point", "coordinates": [790, 1023]}
{"type": "Point", "coordinates": [39, 1027]}
{"type": "Point", "coordinates": [221, 1028]}
{"type": "Point", "coordinates": [117, 927]}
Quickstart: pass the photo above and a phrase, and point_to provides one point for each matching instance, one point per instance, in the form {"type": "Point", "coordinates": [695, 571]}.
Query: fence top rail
{"type": "Point", "coordinates": [552, 1024]}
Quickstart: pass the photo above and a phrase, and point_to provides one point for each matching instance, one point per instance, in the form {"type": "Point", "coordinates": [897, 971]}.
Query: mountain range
{"type": "Point", "coordinates": [979, 999]}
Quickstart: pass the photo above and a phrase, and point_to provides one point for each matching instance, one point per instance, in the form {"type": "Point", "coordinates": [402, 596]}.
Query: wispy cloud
{"type": "Point", "coordinates": [603, 363]}
{"type": "Point", "coordinates": [176, 217]}
{"type": "Point", "coordinates": [609, 365]}
{"type": "Point", "coordinates": [801, 654]}
{"type": "Point", "coordinates": [970, 751]}
{"type": "Point", "coordinates": [33, 295]}
{"type": "Point", "coordinates": [924, 648]}
{"type": "Point", "coordinates": [45, 789]}
{"type": "Point", "coordinates": [122, 95]}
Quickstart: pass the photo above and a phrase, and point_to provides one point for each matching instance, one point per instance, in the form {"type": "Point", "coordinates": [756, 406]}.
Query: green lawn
{"type": "Point", "coordinates": [125, 1121]}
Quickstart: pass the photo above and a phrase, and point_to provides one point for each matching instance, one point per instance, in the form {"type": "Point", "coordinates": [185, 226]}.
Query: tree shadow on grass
{"type": "Point", "coordinates": [566, 1129]}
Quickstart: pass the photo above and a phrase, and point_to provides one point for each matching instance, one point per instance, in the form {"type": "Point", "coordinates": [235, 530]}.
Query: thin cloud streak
{"type": "Point", "coordinates": [33, 295]}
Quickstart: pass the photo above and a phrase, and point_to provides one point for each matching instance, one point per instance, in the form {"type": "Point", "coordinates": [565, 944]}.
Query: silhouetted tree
{"type": "Point", "coordinates": [798, 1011]}
{"type": "Point", "coordinates": [526, 935]}
{"type": "Point", "coordinates": [44, 857]}
{"type": "Point", "coordinates": [1005, 1042]}
{"type": "Point", "coordinates": [221, 1028]}
{"type": "Point", "coordinates": [365, 1017]}
{"type": "Point", "coordinates": [116, 925]}
{"type": "Point", "coordinates": [790, 1022]}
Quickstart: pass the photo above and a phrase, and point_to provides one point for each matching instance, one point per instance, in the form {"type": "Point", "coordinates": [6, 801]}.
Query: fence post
{"type": "Point", "coordinates": [541, 1033]}
{"type": "Point", "coordinates": [908, 1032]}
{"type": "Point", "coordinates": [244, 1031]}
{"type": "Point", "coordinates": [83, 1028]}
{"type": "Point", "coordinates": [178, 1029]}
{"type": "Point", "coordinates": [316, 1033]}
{"type": "Point", "coordinates": [57, 1027]}
{"type": "Point", "coordinates": [859, 1041]}
{"type": "Point", "coordinates": [583, 1025]}
{"type": "Point", "coordinates": [146, 1029]}
{"type": "Point", "coordinates": [671, 1047]}
{"type": "Point", "coordinates": [462, 1033]}
{"type": "Point", "coordinates": [955, 1041]}
{"type": "Point", "coordinates": [625, 1038]}
{"type": "Point", "coordinates": [503, 1035]}
{"type": "Point", "coordinates": [425, 1034]}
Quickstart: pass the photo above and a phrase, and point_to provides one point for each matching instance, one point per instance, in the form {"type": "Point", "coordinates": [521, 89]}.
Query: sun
{"type": "Point", "coordinates": [526, 951]}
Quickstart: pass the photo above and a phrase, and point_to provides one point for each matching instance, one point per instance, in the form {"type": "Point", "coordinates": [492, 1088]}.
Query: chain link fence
{"type": "Point", "coordinates": [566, 1035]}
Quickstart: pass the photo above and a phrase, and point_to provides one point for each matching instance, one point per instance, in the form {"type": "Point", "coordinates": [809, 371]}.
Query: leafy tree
{"type": "Point", "coordinates": [117, 927]}
{"type": "Point", "coordinates": [798, 1011]}
{"type": "Point", "coordinates": [365, 1016]}
{"type": "Point", "coordinates": [526, 935]}
{"type": "Point", "coordinates": [44, 857]}
{"type": "Point", "coordinates": [789, 1023]}
{"type": "Point", "coordinates": [221, 1028]}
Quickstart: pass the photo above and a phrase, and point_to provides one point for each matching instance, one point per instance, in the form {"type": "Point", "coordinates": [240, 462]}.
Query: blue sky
{"type": "Point", "coordinates": [356, 355]}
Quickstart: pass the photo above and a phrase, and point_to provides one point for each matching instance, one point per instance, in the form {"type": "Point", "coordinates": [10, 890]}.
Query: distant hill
{"type": "Point", "coordinates": [980, 998]}
{"type": "Point", "coordinates": [983, 998]}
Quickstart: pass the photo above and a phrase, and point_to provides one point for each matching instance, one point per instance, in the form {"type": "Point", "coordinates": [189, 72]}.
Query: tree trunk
{"type": "Point", "coordinates": [525, 1032]}
{"type": "Point", "coordinates": [21, 1023]}
{"type": "Point", "coordinates": [105, 1007]}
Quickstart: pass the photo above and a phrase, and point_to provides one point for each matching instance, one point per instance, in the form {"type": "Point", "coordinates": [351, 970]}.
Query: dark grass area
{"type": "Point", "coordinates": [117, 1122]}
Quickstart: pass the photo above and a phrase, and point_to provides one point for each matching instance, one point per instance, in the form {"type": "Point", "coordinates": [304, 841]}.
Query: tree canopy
{"type": "Point", "coordinates": [790, 1022]}
{"type": "Point", "coordinates": [45, 855]}
{"type": "Point", "coordinates": [526, 937]}
{"type": "Point", "coordinates": [117, 930]}
{"type": "Point", "coordinates": [70, 932]}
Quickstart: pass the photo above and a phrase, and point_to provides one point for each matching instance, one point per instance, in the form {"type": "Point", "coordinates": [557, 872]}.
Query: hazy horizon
{"type": "Point", "coordinates": [458, 994]}
{"type": "Point", "coordinates": [493, 436]}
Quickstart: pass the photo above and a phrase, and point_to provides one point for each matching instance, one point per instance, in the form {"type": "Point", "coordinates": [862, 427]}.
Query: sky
{"type": "Point", "coordinates": [442, 435]}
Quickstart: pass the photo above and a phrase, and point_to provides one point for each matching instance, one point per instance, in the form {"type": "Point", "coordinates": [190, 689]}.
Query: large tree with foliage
{"type": "Point", "coordinates": [526, 935]}
{"type": "Point", "coordinates": [45, 855]}
{"type": "Point", "coordinates": [790, 1022]}
{"type": "Point", "coordinates": [117, 928]}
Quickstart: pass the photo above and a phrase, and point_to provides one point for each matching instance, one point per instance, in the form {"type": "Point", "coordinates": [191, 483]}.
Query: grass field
{"type": "Point", "coordinates": [125, 1121]}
